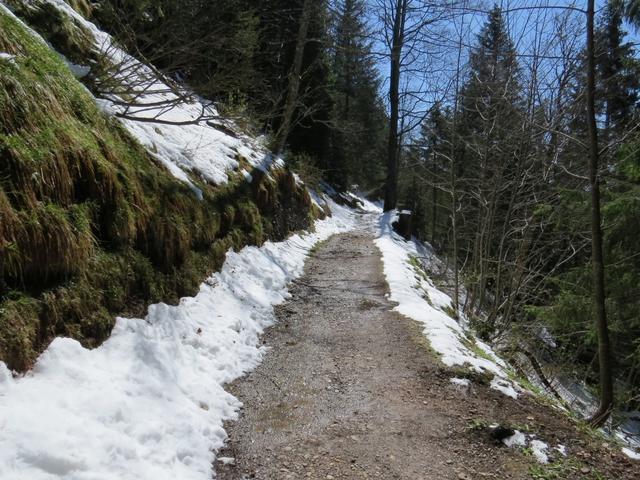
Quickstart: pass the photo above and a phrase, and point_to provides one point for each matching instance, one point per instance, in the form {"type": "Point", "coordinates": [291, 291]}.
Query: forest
{"type": "Point", "coordinates": [485, 134]}
{"type": "Point", "coordinates": [469, 166]}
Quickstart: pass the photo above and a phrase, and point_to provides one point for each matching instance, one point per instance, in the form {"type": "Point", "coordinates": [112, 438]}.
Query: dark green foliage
{"type": "Point", "coordinates": [424, 178]}
{"type": "Point", "coordinates": [209, 44]}
{"type": "Point", "coordinates": [618, 72]}
{"type": "Point", "coordinates": [240, 54]}
{"type": "Point", "coordinates": [359, 118]}
{"type": "Point", "coordinates": [571, 307]}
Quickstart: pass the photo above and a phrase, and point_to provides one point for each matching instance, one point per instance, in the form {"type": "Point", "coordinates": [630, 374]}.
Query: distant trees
{"type": "Point", "coordinates": [301, 70]}
{"type": "Point", "coordinates": [506, 179]}
{"type": "Point", "coordinates": [617, 70]}
{"type": "Point", "coordinates": [359, 116]}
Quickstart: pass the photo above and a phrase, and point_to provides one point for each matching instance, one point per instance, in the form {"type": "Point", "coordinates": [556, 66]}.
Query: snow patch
{"type": "Point", "coordinates": [518, 439]}
{"type": "Point", "coordinates": [632, 454]}
{"type": "Point", "coordinates": [149, 404]}
{"type": "Point", "coordinates": [463, 382]}
{"type": "Point", "coordinates": [539, 450]}
{"type": "Point", "coordinates": [175, 126]}
{"type": "Point", "coordinates": [418, 298]}
{"type": "Point", "coordinates": [7, 57]}
{"type": "Point", "coordinates": [503, 386]}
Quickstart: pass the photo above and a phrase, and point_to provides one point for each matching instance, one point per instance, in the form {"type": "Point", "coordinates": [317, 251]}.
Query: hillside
{"type": "Point", "coordinates": [103, 217]}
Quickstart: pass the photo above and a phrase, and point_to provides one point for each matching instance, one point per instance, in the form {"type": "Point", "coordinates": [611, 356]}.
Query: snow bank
{"type": "Point", "coordinates": [149, 404]}
{"type": "Point", "coordinates": [419, 299]}
{"type": "Point", "coordinates": [190, 144]}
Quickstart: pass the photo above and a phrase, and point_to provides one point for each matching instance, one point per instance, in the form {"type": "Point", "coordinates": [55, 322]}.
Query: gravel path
{"type": "Point", "coordinates": [350, 390]}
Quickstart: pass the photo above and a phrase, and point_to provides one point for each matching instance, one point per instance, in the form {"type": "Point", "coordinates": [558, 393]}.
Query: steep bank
{"type": "Point", "coordinates": [92, 223]}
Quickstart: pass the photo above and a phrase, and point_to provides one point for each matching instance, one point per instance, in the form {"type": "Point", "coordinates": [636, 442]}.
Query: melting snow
{"type": "Point", "coordinates": [419, 299]}
{"type": "Point", "coordinates": [504, 386]}
{"type": "Point", "coordinates": [7, 57]}
{"type": "Point", "coordinates": [463, 382]}
{"type": "Point", "coordinates": [539, 450]}
{"type": "Point", "coordinates": [631, 453]}
{"type": "Point", "coordinates": [518, 439]}
{"type": "Point", "coordinates": [189, 143]}
{"type": "Point", "coordinates": [149, 404]}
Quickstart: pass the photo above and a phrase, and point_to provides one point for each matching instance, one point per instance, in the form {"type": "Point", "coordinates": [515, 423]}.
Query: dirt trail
{"type": "Point", "coordinates": [350, 390]}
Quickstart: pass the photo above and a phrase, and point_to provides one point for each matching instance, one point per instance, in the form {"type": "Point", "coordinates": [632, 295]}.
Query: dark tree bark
{"type": "Point", "coordinates": [294, 78]}
{"type": "Point", "coordinates": [604, 350]}
{"type": "Point", "coordinates": [391, 187]}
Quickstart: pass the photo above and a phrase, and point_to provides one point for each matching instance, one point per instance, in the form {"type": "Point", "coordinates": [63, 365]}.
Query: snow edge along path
{"type": "Point", "coordinates": [419, 299]}
{"type": "Point", "coordinates": [149, 404]}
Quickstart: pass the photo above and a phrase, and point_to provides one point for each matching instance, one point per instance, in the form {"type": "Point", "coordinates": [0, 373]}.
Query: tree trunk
{"type": "Point", "coordinates": [453, 179]}
{"type": "Point", "coordinates": [294, 78]}
{"type": "Point", "coordinates": [391, 187]}
{"type": "Point", "coordinates": [604, 351]}
{"type": "Point", "coordinates": [434, 212]}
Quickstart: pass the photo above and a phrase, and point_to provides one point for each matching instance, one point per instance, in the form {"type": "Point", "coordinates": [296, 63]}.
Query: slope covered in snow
{"type": "Point", "coordinates": [419, 299]}
{"type": "Point", "coordinates": [176, 126]}
{"type": "Point", "coordinates": [149, 403]}
{"type": "Point", "coordinates": [456, 344]}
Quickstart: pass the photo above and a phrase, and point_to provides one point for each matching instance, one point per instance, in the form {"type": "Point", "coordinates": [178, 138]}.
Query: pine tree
{"type": "Point", "coordinates": [617, 70]}
{"type": "Point", "coordinates": [358, 117]}
{"type": "Point", "coordinates": [490, 111]}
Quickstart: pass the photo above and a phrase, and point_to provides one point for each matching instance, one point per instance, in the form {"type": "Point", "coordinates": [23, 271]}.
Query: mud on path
{"type": "Point", "coordinates": [350, 390]}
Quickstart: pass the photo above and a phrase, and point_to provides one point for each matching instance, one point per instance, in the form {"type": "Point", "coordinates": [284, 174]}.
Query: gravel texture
{"type": "Point", "coordinates": [350, 389]}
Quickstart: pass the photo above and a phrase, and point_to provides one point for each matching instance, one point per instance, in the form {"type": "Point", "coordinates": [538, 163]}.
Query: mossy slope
{"type": "Point", "coordinates": [90, 225]}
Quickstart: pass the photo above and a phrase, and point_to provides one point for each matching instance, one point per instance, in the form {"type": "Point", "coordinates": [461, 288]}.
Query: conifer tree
{"type": "Point", "coordinates": [617, 70]}
{"type": "Point", "coordinates": [490, 112]}
{"type": "Point", "coordinates": [358, 117]}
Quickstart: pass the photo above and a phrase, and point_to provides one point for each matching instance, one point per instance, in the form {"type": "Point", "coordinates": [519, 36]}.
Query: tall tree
{"type": "Point", "coordinates": [597, 258]}
{"type": "Point", "coordinates": [359, 117]}
{"type": "Point", "coordinates": [490, 155]}
{"type": "Point", "coordinates": [293, 88]}
{"type": "Point", "coordinates": [398, 12]}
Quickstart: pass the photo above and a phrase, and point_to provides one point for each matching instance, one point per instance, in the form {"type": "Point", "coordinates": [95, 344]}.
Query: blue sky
{"type": "Point", "coordinates": [534, 32]}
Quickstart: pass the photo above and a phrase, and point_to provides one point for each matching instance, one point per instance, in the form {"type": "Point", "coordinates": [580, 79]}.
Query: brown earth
{"type": "Point", "coordinates": [350, 390]}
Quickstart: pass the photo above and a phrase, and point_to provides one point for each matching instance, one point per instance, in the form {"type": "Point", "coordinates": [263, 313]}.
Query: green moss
{"type": "Point", "coordinates": [469, 341]}
{"type": "Point", "coordinates": [19, 330]}
{"type": "Point", "coordinates": [481, 378]}
{"type": "Point", "coordinates": [69, 37]}
{"type": "Point", "coordinates": [83, 7]}
{"type": "Point", "coordinates": [90, 225]}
